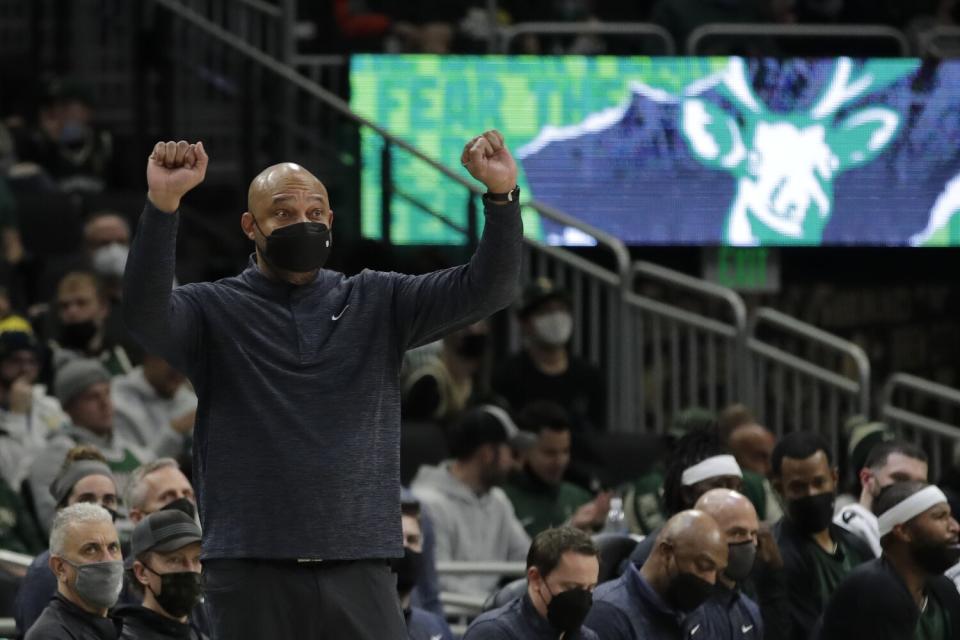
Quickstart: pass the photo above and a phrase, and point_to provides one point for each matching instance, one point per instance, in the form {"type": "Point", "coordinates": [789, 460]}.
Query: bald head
{"type": "Point", "coordinates": [284, 181]}
{"type": "Point", "coordinates": [685, 562]}
{"type": "Point", "coordinates": [752, 445]}
{"type": "Point", "coordinates": [285, 195]}
{"type": "Point", "coordinates": [733, 512]}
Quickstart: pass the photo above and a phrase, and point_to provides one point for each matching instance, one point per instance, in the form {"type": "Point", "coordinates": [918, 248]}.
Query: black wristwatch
{"type": "Point", "coordinates": [510, 196]}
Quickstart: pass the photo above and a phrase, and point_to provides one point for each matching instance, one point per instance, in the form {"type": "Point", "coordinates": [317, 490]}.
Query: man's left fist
{"type": "Point", "coordinates": [488, 160]}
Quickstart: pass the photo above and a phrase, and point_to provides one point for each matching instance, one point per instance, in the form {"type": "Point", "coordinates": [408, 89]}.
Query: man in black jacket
{"type": "Point", "coordinates": [164, 565]}
{"type": "Point", "coordinates": [86, 559]}
{"type": "Point", "coordinates": [902, 594]}
{"type": "Point", "coordinates": [817, 555]}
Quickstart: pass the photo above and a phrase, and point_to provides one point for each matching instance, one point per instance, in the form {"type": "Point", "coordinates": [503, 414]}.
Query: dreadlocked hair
{"type": "Point", "coordinates": [696, 446]}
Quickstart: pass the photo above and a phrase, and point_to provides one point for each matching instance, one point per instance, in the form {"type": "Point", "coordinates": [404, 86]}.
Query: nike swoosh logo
{"type": "Point", "coordinates": [436, 637]}
{"type": "Point", "coordinates": [694, 630]}
{"type": "Point", "coordinates": [342, 311]}
{"type": "Point", "coordinates": [746, 628]}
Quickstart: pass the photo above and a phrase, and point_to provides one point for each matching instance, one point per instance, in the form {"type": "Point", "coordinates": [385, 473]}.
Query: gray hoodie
{"type": "Point", "coordinates": [469, 527]}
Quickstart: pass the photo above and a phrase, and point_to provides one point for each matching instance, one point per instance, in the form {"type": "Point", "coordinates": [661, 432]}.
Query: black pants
{"type": "Point", "coordinates": [284, 600]}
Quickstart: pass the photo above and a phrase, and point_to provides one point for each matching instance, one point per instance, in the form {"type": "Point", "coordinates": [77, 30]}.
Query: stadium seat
{"type": "Point", "coordinates": [614, 549]}
{"type": "Point", "coordinates": [509, 592]}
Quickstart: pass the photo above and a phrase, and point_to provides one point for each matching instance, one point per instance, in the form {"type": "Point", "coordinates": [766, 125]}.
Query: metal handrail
{"type": "Point", "coordinates": [14, 558]}
{"type": "Point", "coordinates": [927, 40]}
{"type": "Point", "coordinates": [790, 324]}
{"type": "Point", "coordinates": [458, 568]}
{"type": "Point", "coordinates": [737, 307]}
{"type": "Point", "coordinates": [289, 73]}
{"type": "Point", "coordinates": [917, 383]}
{"type": "Point", "coordinates": [271, 10]}
{"type": "Point", "coordinates": [509, 33]}
{"type": "Point", "coordinates": [873, 31]}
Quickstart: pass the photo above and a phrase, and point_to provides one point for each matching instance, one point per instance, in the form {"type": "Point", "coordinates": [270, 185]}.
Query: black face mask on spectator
{"type": "Point", "coordinates": [77, 335]}
{"type": "Point", "coordinates": [408, 569]}
{"type": "Point", "coordinates": [183, 505]}
{"type": "Point", "coordinates": [812, 514]}
{"type": "Point", "coordinates": [179, 592]}
{"type": "Point", "coordinates": [687, 591]}
{"type": "Point", "coordinates": [568, 609]}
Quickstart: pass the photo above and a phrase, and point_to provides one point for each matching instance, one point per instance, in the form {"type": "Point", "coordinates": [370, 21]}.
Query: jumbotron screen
{"type": "Point", "coordinates": [677, 151]}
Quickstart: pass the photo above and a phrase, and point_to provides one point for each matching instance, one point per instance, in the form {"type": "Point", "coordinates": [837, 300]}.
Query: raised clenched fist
{"type": "Point", "coordinates": [173, 169]}
{"type": "Point", "coordinates": [488, 160]}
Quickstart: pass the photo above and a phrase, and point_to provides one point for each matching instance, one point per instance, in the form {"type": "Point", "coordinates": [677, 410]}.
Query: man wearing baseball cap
{"type": "Point", "coordinates": [546, 369]}
{"type": "Point", "coordinates": [83, 388]}
{"type": "Point", "coordinates": [473, 518]}
{"type": "Point", "coordinates": [165, 564]}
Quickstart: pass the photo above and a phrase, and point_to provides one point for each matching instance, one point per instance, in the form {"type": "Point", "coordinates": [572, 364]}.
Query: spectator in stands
{"type": "Point", "coordinates": [83, 312]}
{"type": "Point", "coordinates": [902, 594]}
{"type": "Point", "coordinates": [11, 244]}
{"type": "Point", "coordinates": [421, 624]}
{"type": "Point", "coordinates": [28, 416]}
{"type": "Point", "coordinates": [106, 241]}
{"type": "Point", "coordinates": [155, 408]}
{"type": "Point", "coordinates": [159, 485]}
{"type": "Point", "coordinates": [83, 477]}
{"type": "Point", "coordinates": [699, 463]}
{"type": "Point", "coordinates": [860, 436]}
{"type": "Point", "coordinates": [83, 388]}
{"type": "Point", "coordinates": [729, 613]}
{"type": "Point", "coordinates": [65, 143]}
{"type": "Point", "coordinates": [679, 576]}
{"type": "Point", "coordinates": [443, 386]}
{"type": "Point", "coordinates": [540, 496]}
{"type": "Point", "coordinates": [643, 499]}
{"type": "Point", "coordinates": [86, 559]}
{"type": "Point", "coordinates": [329, 401]}
{"type": "Point", "coordinates": [887, 463]}
{"type": "Point", "coordinates": [752, 445]}
{"type": "Point", "coordinates": [18, 531]}
{"type": "Point", "coordinates": [473, 518]}
{"type": "Point", "coordinates": [164, 569]}
{"type": "Point", "coordinates": [563, 567]}
{"type": "Point", "coordinates": [817, 554]}
{"type": "Point", "coordinates": [545, 369]}
{"type": "Point", "coordinates": [681, 17]}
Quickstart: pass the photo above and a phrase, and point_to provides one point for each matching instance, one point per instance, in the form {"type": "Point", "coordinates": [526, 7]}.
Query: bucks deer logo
{"type": "Point", "coordinates": [785, 164]}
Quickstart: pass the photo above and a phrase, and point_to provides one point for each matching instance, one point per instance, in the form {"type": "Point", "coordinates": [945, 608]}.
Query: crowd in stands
{"type": "Point", "coordinates": [464, 26]}
{"type": "Point", "coordinates": [730, 532]}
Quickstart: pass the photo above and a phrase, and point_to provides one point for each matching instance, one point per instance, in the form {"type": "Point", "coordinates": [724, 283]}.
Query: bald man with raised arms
{"type": "Point", "coordinates": [296, 367]}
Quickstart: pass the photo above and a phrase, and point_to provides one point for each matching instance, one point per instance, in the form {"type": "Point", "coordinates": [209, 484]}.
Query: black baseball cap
{"type": "Point", "coordinates": [539, 292]}
{"type": "Point", "coordinates": [163, 531]}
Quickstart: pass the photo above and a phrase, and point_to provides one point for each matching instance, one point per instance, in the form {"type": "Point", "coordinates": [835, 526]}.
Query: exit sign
{"type": "Point", "coordinates": [753, 269]}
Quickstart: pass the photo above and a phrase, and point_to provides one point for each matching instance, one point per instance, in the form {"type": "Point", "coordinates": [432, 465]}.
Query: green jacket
{"type": "Point", "coordinates": [540, 506]}
{"type": "Point", "coordinates": [18, 532]}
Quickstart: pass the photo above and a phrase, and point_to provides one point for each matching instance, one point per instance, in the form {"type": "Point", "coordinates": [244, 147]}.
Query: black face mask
{"type": "Point", "coordinates": [77, 335]}
{"type": "Point", "coordinates": [408, 570]}
{"type": "Point", "coordinates": [687, 592]}
{"type": "Point", "coordinates": [183, 505]}
{"type": "Point", "coordinates": [812, 514]}
{"type": "Point", "coordinates": [568, 609]}
{"type": "Point", "coordinates": [935, 558]}
{"type": "Point", "coordinates": [179, 592]}
{"type": "Point", "coordinates": [472, 346]}
{"type": "Point", "coordinates": [740, 559]}
{"type": "Point", "coordinates": [300, 247]}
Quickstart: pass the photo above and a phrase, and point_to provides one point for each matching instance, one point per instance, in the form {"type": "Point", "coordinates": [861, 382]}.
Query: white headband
{"type": "Point", "coordinates": [714, 467]}
{"type": "Point", "coordinates": [910, 508]}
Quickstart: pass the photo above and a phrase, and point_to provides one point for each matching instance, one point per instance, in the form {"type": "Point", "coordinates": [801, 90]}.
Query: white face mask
{"type": "Point", "coordinates": [553, 328]}
{"type": "Point", "coordinates": [110, 260]}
